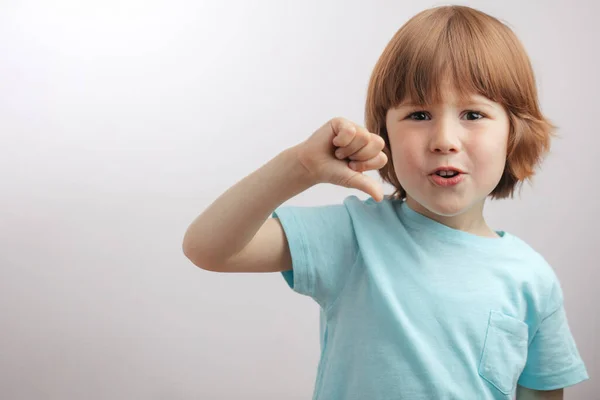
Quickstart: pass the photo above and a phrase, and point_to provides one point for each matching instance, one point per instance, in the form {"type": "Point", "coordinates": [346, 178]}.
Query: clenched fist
{"type": "Point", "coordinates": [339, 151]}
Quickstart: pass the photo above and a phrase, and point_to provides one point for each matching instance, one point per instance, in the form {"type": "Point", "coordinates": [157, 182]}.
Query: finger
{"type": "Point", "coordinates": [361, 138]}
{"type": "Point", "coordinates": [344, 131]}
{"type": "Point", "coordinates": [368, 185]}
{"type": "Point", "coordinates": [374, 163]}
{"type": "Point", "coordinates": [370, 150]}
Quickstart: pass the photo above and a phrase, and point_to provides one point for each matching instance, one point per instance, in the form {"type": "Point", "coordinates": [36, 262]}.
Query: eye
{"type": "Point", "coordinates": [473, 115]}
{"type": "Point", "coordinates": [418, 116]}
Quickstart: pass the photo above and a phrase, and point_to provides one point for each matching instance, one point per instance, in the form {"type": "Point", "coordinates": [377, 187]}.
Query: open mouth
{"type": "Point", "coordinates": [447, 173]}
{"type": "Point", "coordinates": [446, 177]}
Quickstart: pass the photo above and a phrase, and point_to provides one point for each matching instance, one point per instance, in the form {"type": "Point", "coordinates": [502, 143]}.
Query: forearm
{"type": "Point", "coordinates": [234, 218]}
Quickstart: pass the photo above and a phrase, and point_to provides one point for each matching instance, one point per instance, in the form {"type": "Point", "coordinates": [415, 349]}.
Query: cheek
{"type": "Point", "coordinates": [489, 155]}
{"type": "Point", "coordinates": [406, 153]}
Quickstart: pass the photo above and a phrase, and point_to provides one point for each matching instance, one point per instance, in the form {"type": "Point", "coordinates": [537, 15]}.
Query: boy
{"type": "Point", "coordinates": [419, 297]}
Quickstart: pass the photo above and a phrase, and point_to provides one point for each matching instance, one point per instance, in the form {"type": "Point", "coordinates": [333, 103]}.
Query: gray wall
{"type": "Point", "coordinates": [120, 121]}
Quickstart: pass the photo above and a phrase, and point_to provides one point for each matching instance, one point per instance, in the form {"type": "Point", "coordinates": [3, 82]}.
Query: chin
{"type": "Point", "coordinates": [444, 206]}
{"type": "Point", "coordinates": [446, 209]}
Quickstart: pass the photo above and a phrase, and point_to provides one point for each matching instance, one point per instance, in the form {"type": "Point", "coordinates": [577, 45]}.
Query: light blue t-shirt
{"type": "Point", "coordinates": [413, 309]}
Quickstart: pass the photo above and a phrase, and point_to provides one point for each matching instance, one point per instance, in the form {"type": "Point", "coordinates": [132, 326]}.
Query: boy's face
{"type": "Point", "coordinates": [470, 137]}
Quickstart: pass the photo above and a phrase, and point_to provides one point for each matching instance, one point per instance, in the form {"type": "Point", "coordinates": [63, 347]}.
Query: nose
{"type": "Point", "coordinates": [445, 136]}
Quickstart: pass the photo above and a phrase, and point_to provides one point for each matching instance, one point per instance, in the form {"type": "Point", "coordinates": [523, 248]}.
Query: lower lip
{"type": "Point", "coordinates": [446, 182]}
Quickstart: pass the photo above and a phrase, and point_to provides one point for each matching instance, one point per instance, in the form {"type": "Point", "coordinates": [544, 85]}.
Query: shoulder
{"type": "Point", "coordinates": [532, 260]}
{"type": "Point", "coordinates": [347, 215]}
{"type": "Point", "coordinates": [538, 276]}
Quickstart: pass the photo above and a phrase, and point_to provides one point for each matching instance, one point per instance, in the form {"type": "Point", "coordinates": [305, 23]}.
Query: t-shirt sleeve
{"type": "Point", "coordinates": [553, 361]}
{"type": "Point", "coordinates": [323, 247]}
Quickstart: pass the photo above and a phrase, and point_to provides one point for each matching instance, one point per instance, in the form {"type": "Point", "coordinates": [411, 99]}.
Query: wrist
{"type": "Point", "coordinates": [296, 170]}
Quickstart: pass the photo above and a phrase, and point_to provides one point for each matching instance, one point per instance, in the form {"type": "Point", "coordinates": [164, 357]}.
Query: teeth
{"type": "Point", "coordinates": [447, 173]}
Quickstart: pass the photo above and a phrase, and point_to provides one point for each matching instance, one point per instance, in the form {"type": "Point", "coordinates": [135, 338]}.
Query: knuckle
{"type": "Point", "coordinates": [339, 124]}
{"type": "Point", "coordinates": [362, 137]}
{"type": "Point", "coordinates": [358, 156]}
{"type": "Point", "coordinates": [383, 159]}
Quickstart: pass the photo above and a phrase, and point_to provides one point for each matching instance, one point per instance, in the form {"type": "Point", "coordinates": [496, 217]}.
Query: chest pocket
{"type": "Point", "coordinates": [504, 351]}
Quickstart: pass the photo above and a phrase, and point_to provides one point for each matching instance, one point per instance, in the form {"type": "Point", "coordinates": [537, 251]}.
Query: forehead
{"type": "Point", "coordinates": [451, 96]}
{"type": "Point", "coordinates": [441, 87]}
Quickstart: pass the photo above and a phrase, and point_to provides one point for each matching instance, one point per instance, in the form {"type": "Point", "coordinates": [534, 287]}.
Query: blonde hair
{"type": "Point", "coordinates": [480, 55]}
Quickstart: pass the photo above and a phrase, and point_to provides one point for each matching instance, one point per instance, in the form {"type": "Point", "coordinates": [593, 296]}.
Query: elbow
{"type": "Point", "coordinates": [197, 256]}
{"type": "Point", "coordinates": [191, 251]}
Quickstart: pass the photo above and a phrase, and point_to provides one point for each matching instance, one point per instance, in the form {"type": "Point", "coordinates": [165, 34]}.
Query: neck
{"type": "Point", "coordinates": [470, 220]}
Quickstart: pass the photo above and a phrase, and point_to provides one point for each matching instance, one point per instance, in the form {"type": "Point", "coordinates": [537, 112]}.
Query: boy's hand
{"type": "Point", "coordinates": [338, 153]}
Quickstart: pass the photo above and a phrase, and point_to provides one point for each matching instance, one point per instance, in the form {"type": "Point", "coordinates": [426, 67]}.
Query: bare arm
{"type": "Point", "coordinates": [235, 233]}
{"type": "Point", "coordinates": [530, 394]}
{"type": "Point", "coordinates": [219, 238]}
